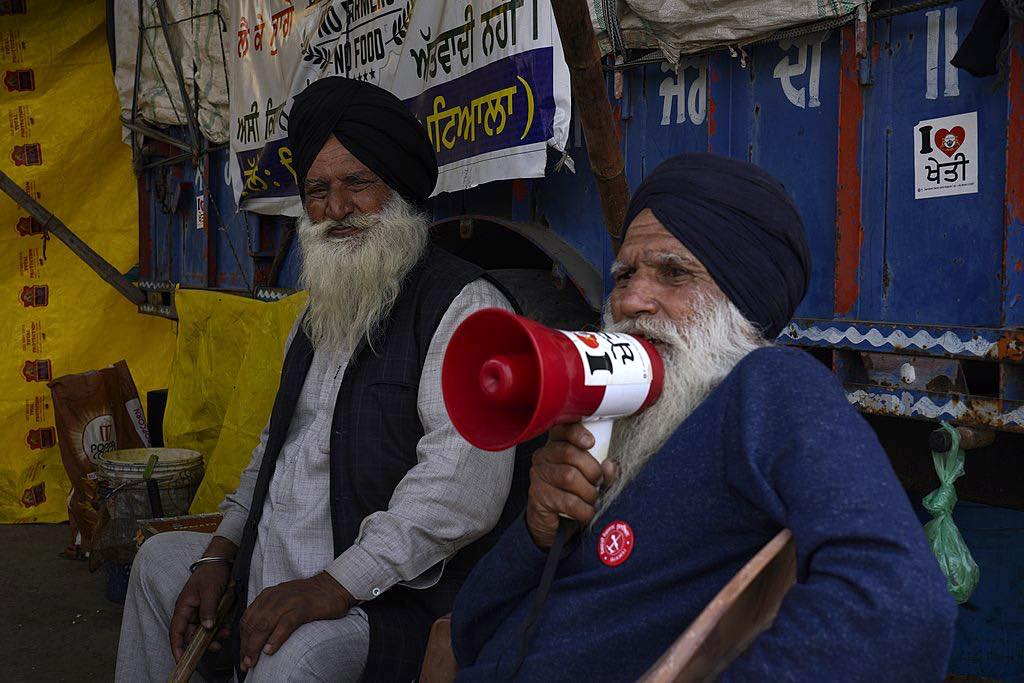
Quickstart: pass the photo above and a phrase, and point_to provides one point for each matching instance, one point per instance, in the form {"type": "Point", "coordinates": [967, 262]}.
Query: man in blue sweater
{"type": "Point", "coordinates": [748, 438]}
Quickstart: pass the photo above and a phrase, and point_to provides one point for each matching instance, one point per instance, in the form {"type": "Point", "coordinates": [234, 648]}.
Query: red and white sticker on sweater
{"type": "Point", "coordinates": [615, 544]}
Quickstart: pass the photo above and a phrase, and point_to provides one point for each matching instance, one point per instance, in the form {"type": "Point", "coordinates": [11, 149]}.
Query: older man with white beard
{"type": "Point", "coordinates": [747, 438]}
{"type": "Point", "coordinates": [362, 510]}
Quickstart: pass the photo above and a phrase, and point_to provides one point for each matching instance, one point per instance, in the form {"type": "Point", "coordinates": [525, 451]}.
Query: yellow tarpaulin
{"type": "Point", "coordinates": [63, 145]}
{"type": "Point", "coordinates": [226, 370]}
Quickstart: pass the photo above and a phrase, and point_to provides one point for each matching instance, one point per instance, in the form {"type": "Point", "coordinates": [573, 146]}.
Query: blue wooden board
{"type": "Point", "coordinates": [937, 260]}
{"type": "Point", "coordinates": [989, 638]}
{"type": "Point", "coordinates": [793, 135]}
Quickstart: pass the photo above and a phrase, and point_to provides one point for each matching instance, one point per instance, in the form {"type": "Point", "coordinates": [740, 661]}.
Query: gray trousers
{"type": "Point", "coordinates": [318, 651]}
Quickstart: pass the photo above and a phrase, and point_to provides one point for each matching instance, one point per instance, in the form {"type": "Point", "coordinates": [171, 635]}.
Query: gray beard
{"type": "Point", "coordinates": [698, 354]}
{"type": "Point", "coordinates": [353, 281]}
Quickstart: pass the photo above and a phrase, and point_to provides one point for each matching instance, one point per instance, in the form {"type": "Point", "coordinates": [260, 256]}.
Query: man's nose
{"type": "Point", "coordinates": [637, 299]}
{"type": "Point", "coordinates": [339, 206]}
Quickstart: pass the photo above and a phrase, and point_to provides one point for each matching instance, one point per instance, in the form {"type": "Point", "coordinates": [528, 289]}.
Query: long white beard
{"type": "Point", "coordinates": [698, 355]}
{"type": "Point", "coordinates": [353, 281]}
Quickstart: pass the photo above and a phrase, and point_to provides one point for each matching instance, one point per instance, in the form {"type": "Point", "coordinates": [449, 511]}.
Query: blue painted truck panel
{"type": "Point", "coordinates": [938, 260]}
{"type": "Point", "coordinates": [989, 627]}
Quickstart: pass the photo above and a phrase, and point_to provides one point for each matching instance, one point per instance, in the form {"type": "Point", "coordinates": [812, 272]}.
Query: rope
{"type": "Point", "coordinates": [220, 221]}
{"type": "Point", "coordinates": [612, 26]}
{"type": "Point", "coordinates": [170, 98]}
{"type": "Point", "coordinates": [215, 12]}
{"type": "Point", "coordinates": [202, 155]}
{"type": "Point", "coordinates": [1015, 8]}
{"type": "Point", "coordinates": [565, 527]}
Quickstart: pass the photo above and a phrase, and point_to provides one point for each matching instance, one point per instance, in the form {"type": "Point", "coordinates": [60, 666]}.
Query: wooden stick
{"type": "Point", "coordinates": [201, 640]}
{"type": "Point", "coordinates": [590, 92]}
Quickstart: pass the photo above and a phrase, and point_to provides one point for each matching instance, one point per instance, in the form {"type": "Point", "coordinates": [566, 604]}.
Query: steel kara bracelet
{"type": "Point", "coordinates": [207, 560]}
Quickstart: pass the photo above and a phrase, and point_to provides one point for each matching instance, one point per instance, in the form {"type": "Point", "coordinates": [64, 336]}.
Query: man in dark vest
{"type": "Point", "coordinates": [748, 438]}
{"type": "Point", "coordinates": [362, 510]}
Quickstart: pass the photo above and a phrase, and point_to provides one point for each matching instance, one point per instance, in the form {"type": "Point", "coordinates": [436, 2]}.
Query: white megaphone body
{"type": "Point", "coordinates": [507, 379]}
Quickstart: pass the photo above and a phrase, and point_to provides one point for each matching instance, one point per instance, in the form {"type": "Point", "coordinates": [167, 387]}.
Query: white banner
{"type": "Point", "coordinates": [485, 77]}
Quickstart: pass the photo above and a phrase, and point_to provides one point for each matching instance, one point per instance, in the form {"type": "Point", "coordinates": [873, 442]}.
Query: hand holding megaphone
{"type": "Point", "coordinates": [507, 379]}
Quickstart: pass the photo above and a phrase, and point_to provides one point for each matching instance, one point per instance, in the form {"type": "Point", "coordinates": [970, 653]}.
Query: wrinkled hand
{"type": "Point", "coordinates": [197, 604]}
{"type": "Point", "coordinates": [564, 479]}
{"type": "Point", "coordinates": [276, 612]}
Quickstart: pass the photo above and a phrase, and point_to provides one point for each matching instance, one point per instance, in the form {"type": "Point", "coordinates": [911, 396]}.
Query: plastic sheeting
{"type": "Point", "coordinates": [687, 26]}
{"type": "Point", "coordinates": [197, 29]}
{"type": "Point", "coordinates": [62, 145]}
{"type": "Point", "coordinates": [226, 370]}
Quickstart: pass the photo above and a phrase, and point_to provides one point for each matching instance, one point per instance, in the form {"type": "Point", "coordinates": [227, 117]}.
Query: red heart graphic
{"type": "Point", "coordinates": [949, 141]}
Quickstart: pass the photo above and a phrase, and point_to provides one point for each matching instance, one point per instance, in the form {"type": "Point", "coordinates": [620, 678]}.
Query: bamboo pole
{"type": "Point", "coordinates": [591, 95]}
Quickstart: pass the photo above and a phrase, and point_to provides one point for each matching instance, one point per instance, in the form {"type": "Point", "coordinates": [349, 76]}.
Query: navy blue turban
{"type": "Point", "coordinates": [741, 224]}
{"type": "Point", "coordinates": [372, 124]}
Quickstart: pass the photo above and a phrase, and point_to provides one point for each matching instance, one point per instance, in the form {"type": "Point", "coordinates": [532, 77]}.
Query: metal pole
{"type": "Point", "coordinates": [193, 125]}
{"type": "Point", "coordinates": [135, 87]}
{"type": "Point", "coordinates": [53, 225]}
{"type": "Point", "coordinates": [149, 132]}
{"type": "Point", "coordinates": [591, 95]}
{"type": "Point", "coordinates": [940, 440]}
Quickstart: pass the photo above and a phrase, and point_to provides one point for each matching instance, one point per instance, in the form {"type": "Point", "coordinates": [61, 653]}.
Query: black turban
{"type": "Point", "coordinates": [742, 225]}
{"type": "Point", "coordinates": [372, 124]}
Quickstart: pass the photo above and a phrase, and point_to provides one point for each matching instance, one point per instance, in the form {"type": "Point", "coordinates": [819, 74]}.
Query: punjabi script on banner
{"type": "Point", "coordinates": [486, 78]}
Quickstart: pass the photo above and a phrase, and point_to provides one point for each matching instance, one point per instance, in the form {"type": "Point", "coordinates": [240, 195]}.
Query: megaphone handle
{"type": "Point", "coordinates": [601, 429]}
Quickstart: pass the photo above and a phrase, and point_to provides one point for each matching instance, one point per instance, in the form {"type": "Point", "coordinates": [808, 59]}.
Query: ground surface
{"type": "Point", "coordinates": [55, 623]}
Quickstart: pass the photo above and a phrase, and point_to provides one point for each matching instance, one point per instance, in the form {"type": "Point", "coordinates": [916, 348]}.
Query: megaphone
{"type": "Point", "coordinates": [507, 379]}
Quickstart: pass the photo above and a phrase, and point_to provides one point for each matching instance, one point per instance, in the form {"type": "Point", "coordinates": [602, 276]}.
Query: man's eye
{"type": "Point", "coordinates": [622, 276]}
{"type": "Point", "coordinates": [357, 184]}
{"type": "Point", "coordinates": [677, 273]}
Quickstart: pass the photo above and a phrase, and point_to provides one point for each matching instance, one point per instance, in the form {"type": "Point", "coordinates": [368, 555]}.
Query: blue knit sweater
{"type": "Point", "coordinates": [775, 445]}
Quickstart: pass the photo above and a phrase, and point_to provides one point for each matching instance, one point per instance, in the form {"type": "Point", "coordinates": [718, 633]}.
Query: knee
{"type": "Point", "coordinates": [154, 564]}
{"type": "Point", "coordinates": [333, 650]}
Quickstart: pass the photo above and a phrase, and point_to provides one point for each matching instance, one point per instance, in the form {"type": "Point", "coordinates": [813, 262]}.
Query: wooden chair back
{"type": "Point", "coordinates": [745, 607]}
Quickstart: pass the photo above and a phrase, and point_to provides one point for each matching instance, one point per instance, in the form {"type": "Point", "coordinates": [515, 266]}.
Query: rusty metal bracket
{"type": "Point", "coordinates": [159, 298]}
{"type": "Point", "coordinates": [150, 132]}
{"type": "Point", "coordinates": [941, 441]}
{"type": "Point", "coordinates": [52, 224]}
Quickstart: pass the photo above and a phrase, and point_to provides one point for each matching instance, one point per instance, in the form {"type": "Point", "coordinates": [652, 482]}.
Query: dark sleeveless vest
{"type": "Point", "coordinates": [374, 435]}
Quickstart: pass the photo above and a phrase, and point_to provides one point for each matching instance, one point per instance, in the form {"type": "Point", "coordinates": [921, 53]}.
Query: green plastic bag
{"type": "Point", "coordinates": [954, 558]}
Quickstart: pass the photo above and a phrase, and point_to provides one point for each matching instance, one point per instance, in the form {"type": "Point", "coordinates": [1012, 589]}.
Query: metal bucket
{"type": "Point", "coordinates": [128, 495]}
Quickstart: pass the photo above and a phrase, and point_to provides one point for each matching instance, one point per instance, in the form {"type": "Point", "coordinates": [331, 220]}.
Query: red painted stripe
{"type": "Point", "coordinates": [211, 234]}
{"type": "Point", "coordinates": [849, 231]}
{"type": "Point", "coordinates": [713, 77]}
{"type": "Point", "coordinates": [145, 229]}
{"type": "Point", "coordinates": [1015, 130]}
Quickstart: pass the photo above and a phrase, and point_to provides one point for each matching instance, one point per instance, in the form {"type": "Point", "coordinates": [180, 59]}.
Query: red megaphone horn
{"type": "Point", "coordinates": [507, 379]}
